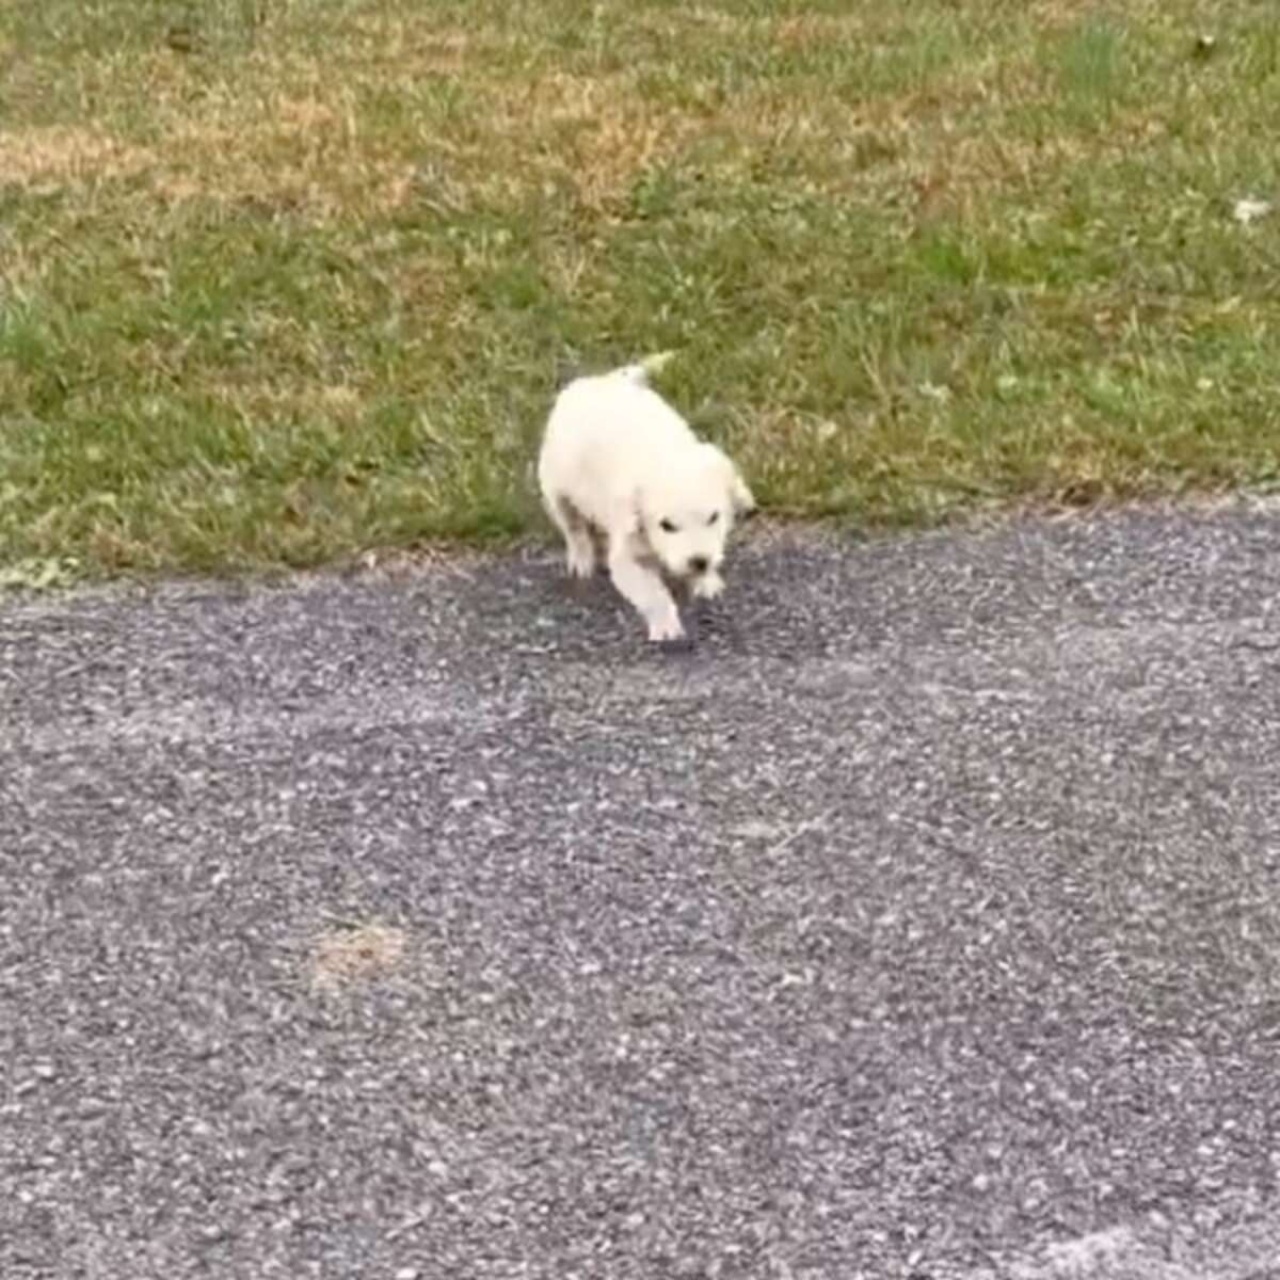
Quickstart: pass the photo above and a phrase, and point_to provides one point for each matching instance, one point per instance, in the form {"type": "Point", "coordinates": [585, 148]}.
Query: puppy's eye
{"type": "Point", "coordinates": [666, 526]}
{"type": "Point", "coordinates": [713, 517]}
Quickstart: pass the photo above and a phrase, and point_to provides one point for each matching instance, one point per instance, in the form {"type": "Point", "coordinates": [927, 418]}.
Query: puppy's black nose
{"type": "Point", "coordinates": [698, 564]}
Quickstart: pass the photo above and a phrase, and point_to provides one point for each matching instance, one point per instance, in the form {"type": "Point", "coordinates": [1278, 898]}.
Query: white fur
{"type": "Point", "coordinates": [617, 459]}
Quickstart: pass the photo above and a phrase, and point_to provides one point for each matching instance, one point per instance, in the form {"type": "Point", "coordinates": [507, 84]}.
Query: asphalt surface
{"type": "Point", "coordinates": [922, 922]}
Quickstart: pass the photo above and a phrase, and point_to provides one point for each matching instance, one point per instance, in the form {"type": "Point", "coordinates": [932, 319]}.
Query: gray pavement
{"type": "Point", "coordinates": [923, 922]}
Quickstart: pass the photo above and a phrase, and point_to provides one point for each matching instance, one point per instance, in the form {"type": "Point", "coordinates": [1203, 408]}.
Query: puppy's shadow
{"type": "Point", "coordinates": [710, 626]}
{"type": "Point", "coordinates": [611, 624]}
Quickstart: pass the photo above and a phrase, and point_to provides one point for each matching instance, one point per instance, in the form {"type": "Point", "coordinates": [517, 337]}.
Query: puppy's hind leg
{"type": "Point", "coordinates": [644, 588]}
{"type": "Point", "coordinates": [580, 548]}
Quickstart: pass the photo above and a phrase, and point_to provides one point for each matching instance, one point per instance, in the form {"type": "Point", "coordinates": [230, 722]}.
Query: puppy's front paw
{"type": "Point", "coordinates": [666, 629]}
{"type": "Point", "coordinates": [709, 586]}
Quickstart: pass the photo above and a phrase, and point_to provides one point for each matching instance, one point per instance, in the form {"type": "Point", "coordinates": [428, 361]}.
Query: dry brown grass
{"type": "Point", "coordinates": [340, 403]}
{"type": "Point", "coordinates": [596, 134]}
{"type": "Point", "coordinates": [287, 132]}
{"type": "Point", "coordinates": [304, 154]}
{"type": "Point", "coordinates": [43, 158]}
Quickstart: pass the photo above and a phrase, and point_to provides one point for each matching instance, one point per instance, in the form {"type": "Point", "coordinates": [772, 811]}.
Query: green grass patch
{"type": "Point", "coordinates": [282, 282]}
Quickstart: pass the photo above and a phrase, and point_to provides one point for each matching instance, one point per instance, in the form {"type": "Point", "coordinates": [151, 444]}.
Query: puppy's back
{"type": "Point", "coordinates": [612, 423]}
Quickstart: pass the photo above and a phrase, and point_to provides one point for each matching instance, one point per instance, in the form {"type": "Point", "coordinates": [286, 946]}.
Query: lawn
{"type": "Point", "coordinates": [284, 280]}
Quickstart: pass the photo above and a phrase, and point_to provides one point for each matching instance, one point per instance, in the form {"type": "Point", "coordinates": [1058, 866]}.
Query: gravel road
{"type": "Point", "coordinates": [922, 922]}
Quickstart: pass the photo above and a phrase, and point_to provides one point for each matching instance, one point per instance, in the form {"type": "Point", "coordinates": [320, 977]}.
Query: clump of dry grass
{"type": "Point", "coordinates": [353, 954]}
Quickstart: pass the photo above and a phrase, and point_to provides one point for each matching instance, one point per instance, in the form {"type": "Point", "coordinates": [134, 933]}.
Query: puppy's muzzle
{"type": "Point", "coordinates": [698, 564]}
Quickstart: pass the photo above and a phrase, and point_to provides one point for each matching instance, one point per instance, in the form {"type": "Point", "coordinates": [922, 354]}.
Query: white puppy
{"type": "Point", "coordinates": [618, 460]}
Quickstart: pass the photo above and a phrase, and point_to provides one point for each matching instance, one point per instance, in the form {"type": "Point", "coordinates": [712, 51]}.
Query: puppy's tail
{"type": "Point", "coordinates": [649, 367]}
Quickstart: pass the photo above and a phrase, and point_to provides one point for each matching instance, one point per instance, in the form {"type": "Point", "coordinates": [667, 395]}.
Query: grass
{"type": "Point", "coordinates": [281, 280]}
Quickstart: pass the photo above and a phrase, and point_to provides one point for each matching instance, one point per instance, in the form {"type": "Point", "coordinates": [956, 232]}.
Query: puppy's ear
{"type": "Point", "coordinates": [740, 494]}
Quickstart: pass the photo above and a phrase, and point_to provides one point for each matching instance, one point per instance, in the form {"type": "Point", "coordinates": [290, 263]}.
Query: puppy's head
{"type": "Point", "coordinates": [686, 512]}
